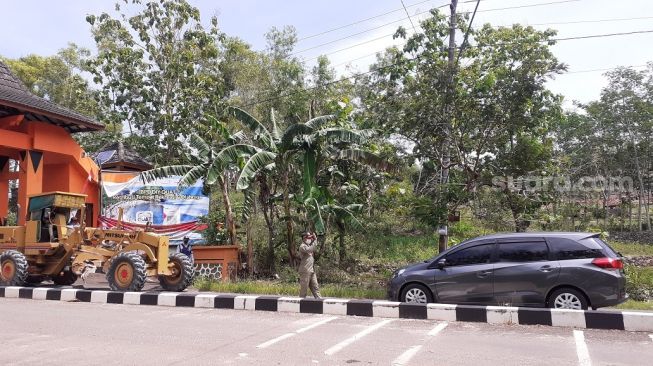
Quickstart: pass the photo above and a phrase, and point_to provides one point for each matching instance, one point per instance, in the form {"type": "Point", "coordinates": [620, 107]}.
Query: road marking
{"type": "Point", "coordinates": [440, 327]}
{"type": "Point", "coordinates": [406, 356]}
{"type": "Point", "coordinates": [581, 349]}
{"type": "Point", "coordinates": [324, 321]}
{"type": "Point", "coordinates": [651, 336]}
{"type": "Point", "coordinates": [338, 347]}
{"type": "Point", "coordinates": [298, 331]}
{"type": "Point", "coordinates": [275, 340]}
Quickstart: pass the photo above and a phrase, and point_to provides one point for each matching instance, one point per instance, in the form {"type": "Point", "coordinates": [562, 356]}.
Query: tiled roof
{"type": "Point", "coordinates": [123, 155]}
{"type": "Point", "coordinates": [16, 98]}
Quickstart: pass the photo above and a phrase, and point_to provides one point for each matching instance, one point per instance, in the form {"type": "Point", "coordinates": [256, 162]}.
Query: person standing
{"type": "Point", "coordinates": [307, 277]}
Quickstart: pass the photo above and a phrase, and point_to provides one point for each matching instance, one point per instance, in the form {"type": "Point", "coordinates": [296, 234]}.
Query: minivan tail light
{"type": "Point", "coordinates": [608, 263]}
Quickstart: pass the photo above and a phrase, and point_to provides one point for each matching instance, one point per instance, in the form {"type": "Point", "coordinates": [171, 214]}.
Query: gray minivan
{"type": "Point", "coordinates": [557, 270]}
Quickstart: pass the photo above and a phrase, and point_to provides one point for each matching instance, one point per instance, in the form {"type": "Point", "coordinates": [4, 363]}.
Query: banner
{"type": "Point", "coordinates": [167, 210]}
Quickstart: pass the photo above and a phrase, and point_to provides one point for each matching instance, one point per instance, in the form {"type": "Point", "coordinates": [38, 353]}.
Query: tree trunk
{"type": "Point", "coordinates": [250, 247]}
{"type": "Point", "coordinates": [290, 232]}
{"type": "Point", "coordinates": [229, 215]}
{"type": "Point", "coordinates": [268, 214]}
{"type": "Point", "coordinates": [630, 213]}
{"type": "Point", "coordinates": [342, 249]}
{"type": "Point", "coordinates": [641, 184]}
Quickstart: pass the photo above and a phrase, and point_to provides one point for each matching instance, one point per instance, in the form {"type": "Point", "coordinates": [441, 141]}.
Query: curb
{"type": "Point", "coordinates": [619, 320]}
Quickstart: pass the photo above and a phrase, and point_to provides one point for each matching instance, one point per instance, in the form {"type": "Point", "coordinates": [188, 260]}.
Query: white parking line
{"type": "Point", "coordinates": [338, 347]}
{"type": "Point", "coordinates": [298, 331]}
{"type": "Point", "coordinates": [324, 321]}
{"type": "Point", "coordinates": [275, 340]}
{"type": "Point", "coordinates": [581, 349]}
{"type": "Point", "coordinates": [440, 327]}
{"type": "Point", "coordinates": [406, 356]}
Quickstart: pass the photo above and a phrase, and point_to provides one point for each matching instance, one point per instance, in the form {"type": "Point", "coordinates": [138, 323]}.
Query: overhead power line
{"type": "Point", "coordinates": [416, 57]}
{"type": "Point", "coordinates": [411, 20]}
{"type": "Point", "coordinates": [603, 69]}
{"type": "Point", "coordinates": [363, 32]}
{"type": "Point", "coordinates": [593, 21]}
{"type": "Point", "coordinates": [603, 35]}
{"type": "Point", "coordinates": [469, 27]}
{"type": "Point", "coordinates": [524, 6]}
{"type": "Point", "coordinates": [402, 19]}
{"type": "Point", "coordinates": [534, 24]}
{"type": "Point", "coordinates": [360, 21]}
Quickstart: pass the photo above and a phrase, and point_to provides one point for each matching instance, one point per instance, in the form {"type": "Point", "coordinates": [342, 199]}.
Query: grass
{"type": "Point", "coordinates": [636, 305]}
{"type": "Point", "coordinates": [287, 289]}
{"type": "Point", "coordinates": [631, 249]}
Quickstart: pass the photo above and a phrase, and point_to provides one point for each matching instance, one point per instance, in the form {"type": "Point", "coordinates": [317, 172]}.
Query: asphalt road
{"type": "Point", "coordinates": [74, 333]}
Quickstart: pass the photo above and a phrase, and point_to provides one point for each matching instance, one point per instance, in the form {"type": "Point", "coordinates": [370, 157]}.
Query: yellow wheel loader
{"type": "Point", "coordinates": [55, 244]}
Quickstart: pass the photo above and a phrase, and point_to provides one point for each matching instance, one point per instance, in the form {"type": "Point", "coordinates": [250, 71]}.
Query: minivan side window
{"type": "Point", "coordinates": [523, 252]}
{"type": "Point", "coordinates": [565, 249]}
{"type": "Point", "coordinates": [474, 255]}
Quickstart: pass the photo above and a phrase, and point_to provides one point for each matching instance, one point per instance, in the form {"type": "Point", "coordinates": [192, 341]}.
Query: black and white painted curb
{"type": "Point", "coordinates": [622, 320]}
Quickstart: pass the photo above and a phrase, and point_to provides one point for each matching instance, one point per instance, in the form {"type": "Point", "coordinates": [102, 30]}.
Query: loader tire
{"type": "Point", "coordinates": [65, 278]}
{"type": "Point", "coordinates": [183, 273]}
{"type": "Point", "coordinates": [127, 272]}
{"type": "Point", "coordinates": [13, 268]}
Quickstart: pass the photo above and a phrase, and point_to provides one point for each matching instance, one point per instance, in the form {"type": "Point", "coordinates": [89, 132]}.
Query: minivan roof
{"type": "Point", "coordinates": [543, 234]}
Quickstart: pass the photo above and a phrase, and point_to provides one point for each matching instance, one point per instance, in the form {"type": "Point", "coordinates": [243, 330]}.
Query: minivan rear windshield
{"type": "Point", "coordinates": [609, 252]}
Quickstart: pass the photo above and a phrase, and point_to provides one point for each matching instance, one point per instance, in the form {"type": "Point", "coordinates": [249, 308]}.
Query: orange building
{"type": "Point", "coordinates": [36, 134]}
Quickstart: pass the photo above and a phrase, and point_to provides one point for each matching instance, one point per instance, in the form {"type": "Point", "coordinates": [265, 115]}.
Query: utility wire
{"type": "Point", "coordinates": [423, 12]}
{"type": "Point", "coordinates": [359, 21]}
{"type": "Point", "coordinates": [524, 6]}
{"type": "Point", "coordinates": [411, 21]}
{"type": "Point", "coordinates": [469, 27]}
{"type": "Point", "coordinates": [416, 57]}
{"type": "Point", "coordinates": [603, 35]}
{"type": "Point", "coordinates": [592, 21]}
{"type": "Point", "coordinates": [504, 25]}
{"type": "Point", "coordinates": [604, 69]}
{"type": "Point", "coordinates": [362, 32]}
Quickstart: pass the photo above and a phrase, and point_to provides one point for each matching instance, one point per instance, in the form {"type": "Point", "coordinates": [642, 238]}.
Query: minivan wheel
{"type": "Point", "coordinates": [416, 294]}
{"type": "Point", "coordinates": [567, 298]}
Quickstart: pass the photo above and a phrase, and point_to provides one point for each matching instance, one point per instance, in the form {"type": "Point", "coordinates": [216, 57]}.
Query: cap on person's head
{"type": "Point", "coordinates": [306, 234]}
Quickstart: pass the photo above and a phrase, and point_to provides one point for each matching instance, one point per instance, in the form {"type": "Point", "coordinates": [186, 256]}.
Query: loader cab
{"type": "Point", "coordinates": [53, 215]}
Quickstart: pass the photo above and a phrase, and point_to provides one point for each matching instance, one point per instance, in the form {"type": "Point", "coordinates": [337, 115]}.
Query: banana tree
{"type": "Point", "coordinates": [210, 162]}
{"type": "Point", "coordinates": [303, 145]}
{"type": "Point", "coordinates": [343, 217]}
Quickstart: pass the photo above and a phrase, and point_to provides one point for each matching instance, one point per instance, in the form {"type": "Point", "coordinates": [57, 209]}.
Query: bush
{"type": "Point", "coordinates": [639, 282]}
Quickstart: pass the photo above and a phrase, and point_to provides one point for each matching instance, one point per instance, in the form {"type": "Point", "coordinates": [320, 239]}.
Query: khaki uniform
{"type": "Point", "coordinates": [307, 277]}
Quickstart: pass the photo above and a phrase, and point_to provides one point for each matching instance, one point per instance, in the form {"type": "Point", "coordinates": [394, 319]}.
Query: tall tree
{"type": "Point", "coordinates": [59, 79]}
{"type": "Point", "coordinates": [158, 70]}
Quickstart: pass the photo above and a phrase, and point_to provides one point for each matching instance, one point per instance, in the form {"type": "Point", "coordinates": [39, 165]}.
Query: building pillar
{"type": "Point", "coordinates": [4, 189]}
{"type": "Point", "coordinates": [30, 180]}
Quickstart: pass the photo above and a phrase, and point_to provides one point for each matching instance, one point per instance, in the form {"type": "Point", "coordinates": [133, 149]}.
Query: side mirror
{"type": "Point", "coordinates": [441, 263]}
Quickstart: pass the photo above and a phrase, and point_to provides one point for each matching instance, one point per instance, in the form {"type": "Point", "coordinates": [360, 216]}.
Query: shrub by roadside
{"type": "Point", "coordinates": [639, 282]}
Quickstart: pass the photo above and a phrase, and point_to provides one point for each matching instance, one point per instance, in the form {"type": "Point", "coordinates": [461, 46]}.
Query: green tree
{"type": "Point", "coordinates": [59, 79]}
{"type": "Point", "coordinates": [158, 69]}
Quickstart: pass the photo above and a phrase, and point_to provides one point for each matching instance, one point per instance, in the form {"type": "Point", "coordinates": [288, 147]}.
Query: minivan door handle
{"type": "Point", "coordinates": [483, 274]}
{"type": "Point", "coordinates": [546, 268]}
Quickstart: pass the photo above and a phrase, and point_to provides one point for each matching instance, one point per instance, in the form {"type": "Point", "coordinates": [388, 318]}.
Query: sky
{"type": "Point", "coordinates": [43, 27]}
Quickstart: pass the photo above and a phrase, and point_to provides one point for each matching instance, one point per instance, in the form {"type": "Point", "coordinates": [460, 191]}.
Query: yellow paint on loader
{"type": "Point", "coordinates": [57, 250]}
